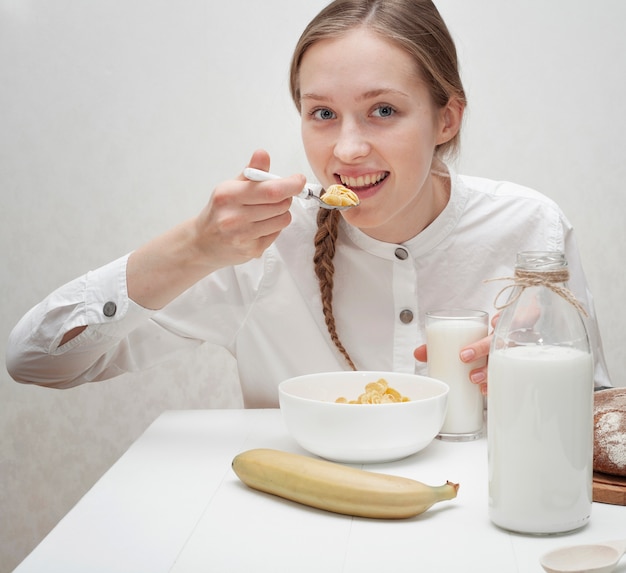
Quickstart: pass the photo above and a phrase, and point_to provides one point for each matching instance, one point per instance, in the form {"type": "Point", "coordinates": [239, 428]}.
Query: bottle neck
{"type": "Point", "coordinates": [541, 261]}
{"type": "Point", "coordinates": [540, 269]}
{"type": "Point", "coordinates": [543, 277]}
{"type": "Point", "coordinates": [553, 279]}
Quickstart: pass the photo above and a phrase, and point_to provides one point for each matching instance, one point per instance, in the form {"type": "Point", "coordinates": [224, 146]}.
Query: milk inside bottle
{"type": "Point", "coordinates": [540, 404]}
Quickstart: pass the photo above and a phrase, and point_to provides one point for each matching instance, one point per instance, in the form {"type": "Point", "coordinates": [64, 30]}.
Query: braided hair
{"type": "Point", "coordinates": [325, 240]}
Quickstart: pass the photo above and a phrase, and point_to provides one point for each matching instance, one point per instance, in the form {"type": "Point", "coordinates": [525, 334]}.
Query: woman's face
{"type": "Point", "coordinates": [368, 122]}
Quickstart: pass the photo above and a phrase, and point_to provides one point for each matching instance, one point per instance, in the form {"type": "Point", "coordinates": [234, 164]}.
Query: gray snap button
{"type": "Point", "coordinates": [406, 316]}
{"type": "Point", "coordinates": [109, 309]}
{"type": "Point", "coordinates": [402, 254]}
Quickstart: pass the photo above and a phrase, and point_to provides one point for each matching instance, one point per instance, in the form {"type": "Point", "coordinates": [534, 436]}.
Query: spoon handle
{"type": "Point", "coordinates": [258, 175]}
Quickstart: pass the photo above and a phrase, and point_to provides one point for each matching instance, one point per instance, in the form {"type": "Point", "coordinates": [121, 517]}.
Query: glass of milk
{"type": "Point", "coordinates": [447, 332]}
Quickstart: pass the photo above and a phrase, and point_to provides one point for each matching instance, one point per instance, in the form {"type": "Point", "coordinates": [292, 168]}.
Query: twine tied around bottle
{"type": "Point", "coordinates": [550, 279]}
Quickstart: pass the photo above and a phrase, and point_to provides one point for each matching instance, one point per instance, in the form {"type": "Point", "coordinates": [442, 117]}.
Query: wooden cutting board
{"type": "Point", "coordinates": [609, 489]}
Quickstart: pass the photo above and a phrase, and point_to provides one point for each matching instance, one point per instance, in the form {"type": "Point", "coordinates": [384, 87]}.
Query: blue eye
{"type": "Point", "coordinates": [384, 111]}
{"type": "Point", "coordinates": [323, 114]}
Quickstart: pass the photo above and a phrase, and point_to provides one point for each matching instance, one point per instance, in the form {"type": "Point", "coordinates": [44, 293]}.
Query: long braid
{"type": "Point", "coordinates": [325, 239]}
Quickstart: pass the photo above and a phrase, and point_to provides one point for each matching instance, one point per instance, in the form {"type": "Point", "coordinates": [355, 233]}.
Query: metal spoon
{"type": "Point", "coordinates": [310, 190]}
{"type": "Point", "coordinates": [594, 558]}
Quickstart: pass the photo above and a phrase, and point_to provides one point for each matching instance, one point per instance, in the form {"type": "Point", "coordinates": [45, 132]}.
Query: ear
{"type": "Point", "coordinates": [450, 119]}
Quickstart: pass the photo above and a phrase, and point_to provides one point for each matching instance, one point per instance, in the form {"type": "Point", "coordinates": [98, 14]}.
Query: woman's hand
{"type": "Point", "coordinates": [477, 351]}
{"type": "Point", "coordinates": [471, 353]}
{"type": "Point", "coordinates": [241, 219]}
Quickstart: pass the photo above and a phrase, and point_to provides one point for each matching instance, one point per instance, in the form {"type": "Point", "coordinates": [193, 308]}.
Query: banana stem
{"type": "Point", "coordinates": [447, 491]}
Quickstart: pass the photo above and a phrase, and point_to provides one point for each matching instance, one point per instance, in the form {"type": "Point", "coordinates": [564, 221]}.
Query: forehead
{"type": "Point", "coordinates": [359, 60]}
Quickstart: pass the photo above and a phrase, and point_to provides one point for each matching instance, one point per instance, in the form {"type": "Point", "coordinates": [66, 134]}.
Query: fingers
{"type": "Point", "coordinates": [241, 203]}
{"type": "Point", "coordinates": [272, 191]}
{"type": "Point", "coordinates": [243, 217]}
{"type": "Point", "coordinates": [420, 353]}
{"type": "Point", "coordinates": [483, 388]}
{"type": "Point", "coordinates": [469, 354]}
{"type": "Point", "coordinates": [478, 351]}
{"type": "Point", "coordinates": [494, 320]}
{"type": "Point", "coordinates": [479, 376]}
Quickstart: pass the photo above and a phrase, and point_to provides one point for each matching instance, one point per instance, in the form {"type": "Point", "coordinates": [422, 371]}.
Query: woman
{"type": "Point", "coordinates": [289, 289]}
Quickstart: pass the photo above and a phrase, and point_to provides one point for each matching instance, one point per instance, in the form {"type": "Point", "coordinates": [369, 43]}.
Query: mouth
{"type": "Point", "coordinates": [363, 182]}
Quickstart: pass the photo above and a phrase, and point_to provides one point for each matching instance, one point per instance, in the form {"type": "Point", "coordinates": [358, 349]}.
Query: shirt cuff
{"type": "Point", "coordinates": [106, 309]}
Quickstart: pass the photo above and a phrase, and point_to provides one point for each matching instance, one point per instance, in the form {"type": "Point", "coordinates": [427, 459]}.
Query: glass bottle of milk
{"type": "Point", "coordinates": [540, 404]}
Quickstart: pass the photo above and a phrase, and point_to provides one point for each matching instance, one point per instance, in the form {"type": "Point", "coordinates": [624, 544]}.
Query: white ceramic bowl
{"type": "Point", "coordinates": [362, 433]}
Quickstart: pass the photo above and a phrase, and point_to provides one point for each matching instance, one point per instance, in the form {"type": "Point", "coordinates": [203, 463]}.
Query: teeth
{"type": "Point", "coordinates": [362, 180]}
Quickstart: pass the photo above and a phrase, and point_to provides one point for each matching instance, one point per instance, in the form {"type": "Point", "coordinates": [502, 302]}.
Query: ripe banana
{"type": "Point", "coordinates": [337, 488]}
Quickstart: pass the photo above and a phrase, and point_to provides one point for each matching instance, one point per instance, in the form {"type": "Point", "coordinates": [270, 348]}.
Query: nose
{"type": "Point", "coordinates": [351, 143]}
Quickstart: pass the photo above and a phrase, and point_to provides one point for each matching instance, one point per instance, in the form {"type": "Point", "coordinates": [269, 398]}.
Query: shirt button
{"type": "Point", "coordinates": [402, 254]}
{"type": "Point", "coordinates": [109, 309]}
{"type": "Point", "coordinates": [406, 316]}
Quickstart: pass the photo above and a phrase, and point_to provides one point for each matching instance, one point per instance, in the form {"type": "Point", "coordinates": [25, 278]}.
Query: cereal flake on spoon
{"type": "Point", "coordinates": [340, 196]}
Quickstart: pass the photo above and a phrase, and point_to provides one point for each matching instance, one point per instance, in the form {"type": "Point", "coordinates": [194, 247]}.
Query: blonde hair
{"type": "Point", "coordinates": [416, 27]}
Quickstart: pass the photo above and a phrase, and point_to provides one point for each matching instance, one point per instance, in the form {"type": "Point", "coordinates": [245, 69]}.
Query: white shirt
{"type": "Point", "coordinates": [267, 312]}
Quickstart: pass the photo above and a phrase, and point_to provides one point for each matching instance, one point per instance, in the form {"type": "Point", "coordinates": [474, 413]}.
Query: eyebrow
{"type": "Point", "coordinates": [365, 96]}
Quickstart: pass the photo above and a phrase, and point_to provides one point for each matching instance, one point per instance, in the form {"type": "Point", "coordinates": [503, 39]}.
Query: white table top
{"type": "Point", "coordinates": [173, 504]}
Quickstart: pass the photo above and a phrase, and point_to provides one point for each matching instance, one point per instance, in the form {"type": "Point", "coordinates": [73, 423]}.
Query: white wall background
{"type": "Point", "coordinates": [117, 118]}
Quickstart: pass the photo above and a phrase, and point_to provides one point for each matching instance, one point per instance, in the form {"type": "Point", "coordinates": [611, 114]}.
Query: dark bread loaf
{"type": "Point", "coordinates": [609, 428]}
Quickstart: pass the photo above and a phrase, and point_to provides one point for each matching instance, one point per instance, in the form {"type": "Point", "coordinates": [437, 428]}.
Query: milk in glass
{"type": "Point", "coordinates": [447, 332]}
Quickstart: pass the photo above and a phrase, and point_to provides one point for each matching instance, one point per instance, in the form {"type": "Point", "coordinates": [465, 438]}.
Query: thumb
{"type": "Point", "coordinates": [260, 160]}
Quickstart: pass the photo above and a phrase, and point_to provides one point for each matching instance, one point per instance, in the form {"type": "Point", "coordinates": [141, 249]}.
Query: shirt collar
{"type": "Point", "coordinates": [426, 240]}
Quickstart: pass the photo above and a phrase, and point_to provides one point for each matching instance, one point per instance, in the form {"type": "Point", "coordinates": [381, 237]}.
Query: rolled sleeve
{"type": "Point", "coordinates": [97, 300]}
